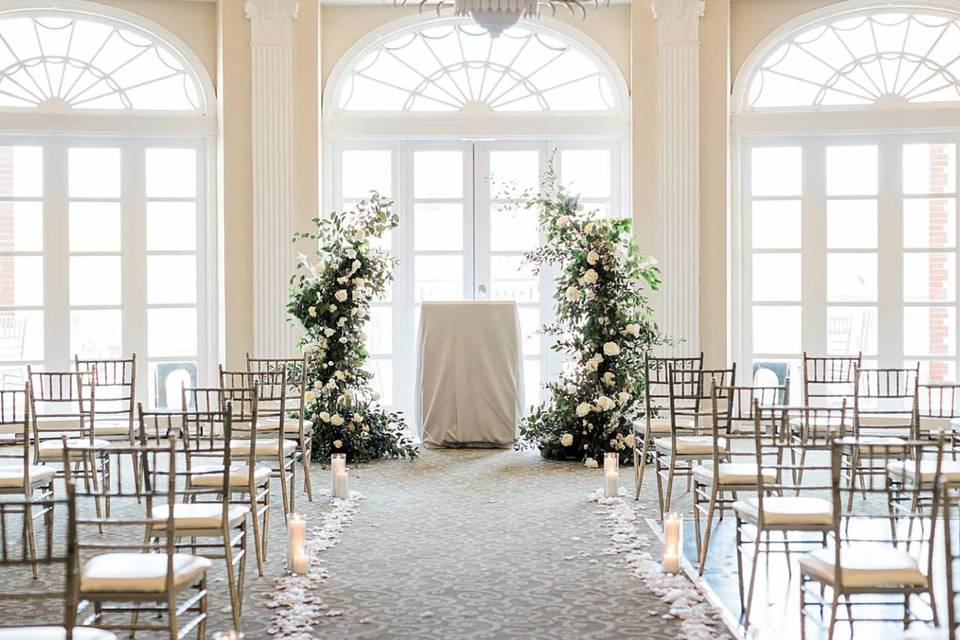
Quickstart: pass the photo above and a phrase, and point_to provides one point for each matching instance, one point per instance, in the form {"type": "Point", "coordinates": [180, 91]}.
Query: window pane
{"type": "Point", "coordinates": [929, 168]}
{"type": "Point", "coordinates": [22, 171]}
{"type": "Point", "coordinates": [94, 226]}
{"type": "Point", "coordinates": [512, 279]}
{"type": "Point", "coordinates": [776, 224]}
{"type": "Point", "coordinates": [929, 331]}
{"type": "Point", "coordinates": [438, 278]}
{"type": "Point", "coordinates": [929, 277]}
{"type": "Point", "coordinates": [171, 226]}
{"type": "Point", "coordinates": [94, 173]}
{"type": "Point", "coordinates": [438, 227]}
{"type": "Point", "coordinates": [21, 335]}
{"type": "Point", "coordinates": [851, 224]}
{"type": "Point", "coordinates": [933, 371]}
{"type": "Point", "coordinates": [171, 173]}
{"type": "Point", "coordinates": [776, 277]}
{"type": "Point", "coordinates": [512, 172]}
{"type": "Point", "coordinates": [167, 379]}
{"type": "Point", "coordinates": [775, 171]}
{"type": "Point", "coordinates": [852, 277]}
{"type": "Point", "coordinates": [96, 333]}
{"type": "Point", "coordinates": [529, 326]}
{"type": "Point", "coordinates": [438, 174]}
{"type": "Point", "coordinates": [21, 226]}
{"type": "Point", "coordinates": [851, 330]}
{"type": "Point", "coordinates": [852, 171]}
{"type": "Point", "coordinates": [172, 332]}
{"type": "Point", "coordinates": [171, 279]}
{"type": "Point", "coordinates": [929, 222]}
{"type": "Point", "coordinates": [382, 382]}
{"type": "Point", "coordinates": [21, 280]}
{"type": "Point", "coordinates": [380, 330]}
{"type": "Point", "coordinates": [776, 329]}
{"type": "Point", "coordinates": [365, 171]}
{"type": "Point", "coordinates": [513, 228]}
{"type": "Point", "coordinates": [95, 280]}
{"type": "Point", "coordinates": [586, 172]}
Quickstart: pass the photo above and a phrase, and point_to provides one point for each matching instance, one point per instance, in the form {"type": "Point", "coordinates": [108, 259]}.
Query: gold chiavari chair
{"type": "Point", "coordinates": [59, 560]}
{"type": "Point", "coordinates": [689, 442]}
{"type": "Point", "coordinates": [656, 400]}
{"type": "Point", "coordinates": [783, 502]}
{"type": "Point", "coordinates": [22, 478]}
{"type": "Point", "coordinates": [875, 562]}
{"type": "Point", "coordinates": [122, 581]}
{"type": "Point", "coordinates": [717, 483]}
{"type": "Point", "coordinates": [938, 410]}
{"type": "Point", "coordinates": [272, 448]}
{"type": "Point", "coordinates": [62, 405]}
{"type": "Point", "coordinates": [295, 420]}
{"type": "Point", "coordinates": [201, 512]}
{"type": "Point", "coordinates": [827, 381]}
{"type": "Point", "coordinates": [204, 439]}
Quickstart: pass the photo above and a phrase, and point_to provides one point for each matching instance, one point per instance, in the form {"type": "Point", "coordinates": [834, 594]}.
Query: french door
{"type": "Point", "coordinates": [462, 236]}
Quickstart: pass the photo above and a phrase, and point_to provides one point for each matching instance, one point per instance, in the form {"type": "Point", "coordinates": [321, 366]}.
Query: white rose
{"type": "Point", "coordinates": [341, 295]}
{"type": "Point", "coordinates": [630, 440]}
{"type": "Point", "coordinates": [594, 362]}
{"type": "Point", "coordinates": [592, 257]}
{"type": "Point", "coordinates": [589, 227]}
{"type": "Point", "coordinates": [339, 375]}
{"type": "Point", "coordinates": [590, 276]}
{"type": "Point", "coordinates": [590, 294]}
{"type": "Point", "coordinates": [328, 332]}
{"type": "Point", "coordinates": [609, 378]}
{"type": "Point", "coordinates": [357, 418]}
{"type": "Point", "coordinates": [633, 329]}
{"type": "Point", "coordinates": [312, 312]}
{"type": "Point", "coordinates": [590, 463]}
{"type": "Point", "coordinates": [563, 221]}
{"type": "Point", "coordinates": [623, 396]}
{"type": "Point", "coordinates": [605, 403]}
{"type": "Point", "coordinates": [336, 420]}
{"type": "Point", "coordinates": [583, 409]}
{"type": "Point", "coordinates": [571, 388]}
{"type": "Point", "coordinates": [337, 444]}
{"type": "Point", "coordinates": [573, 294]}
{"type": "Point", "coordinates": [309, 396]}
{"type": "Point", "coordinates": [310, 348]}
{"type": "Point", "coordinates": [356, 265]}
{"type": "Point", "coordinates": [343, 339]}
{"type": "Point", "coordinates": [325, 416]}
{"type": "Point", "coordinates": [611, 349]}
{"type": "Point", "coordinates": [566, 439]}
{"type": "Point", "coordinates": [333, 308]}
{"type": "Point", "coordinates": [341, 322]}
{"type": "Point", "coordinates": [351, 253]}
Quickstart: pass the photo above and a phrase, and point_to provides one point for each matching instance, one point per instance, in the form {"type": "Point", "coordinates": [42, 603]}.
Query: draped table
{"type": "Point", "coordinates": [469, 374]}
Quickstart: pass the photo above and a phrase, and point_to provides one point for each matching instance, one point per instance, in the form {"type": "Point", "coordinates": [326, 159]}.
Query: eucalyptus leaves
{"type": "Point", "coordinates": [604, 327]}
{"type": "Point", "coordinates": [331, 299]}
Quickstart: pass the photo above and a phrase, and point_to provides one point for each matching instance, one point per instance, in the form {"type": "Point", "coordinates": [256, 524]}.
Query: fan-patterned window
{"type": "Point", "coordinates": [886, 56]}
{"type": "Point", "coordinates": [459, 67]}
{"type": "Point", "coordinates": [64, 60]}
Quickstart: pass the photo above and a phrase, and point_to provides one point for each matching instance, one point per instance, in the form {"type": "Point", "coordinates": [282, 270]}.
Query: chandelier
{"type": "Point", "coordinates": [498, 15]}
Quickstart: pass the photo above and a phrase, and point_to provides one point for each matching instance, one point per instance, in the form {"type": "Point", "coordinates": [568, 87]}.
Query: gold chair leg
{"type": "Point", "coordinates": [231, 578]}
{"type": "Point", "coordinates": [257, 542]}
{"type": "Point", "coordinates": [640, 465]}
{"type": "Point", "coordinates": [307, 482]}
{"type": "Point", "coordinates": [709, 524]}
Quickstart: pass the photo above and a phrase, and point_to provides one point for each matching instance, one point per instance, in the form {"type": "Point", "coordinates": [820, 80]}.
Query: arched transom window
{"type": "Point", "coordinates": [459, 67]}
{"type": "Point", "coordinates": [892, 56]}
{"type": "Point", "coordinates": [53, 59]}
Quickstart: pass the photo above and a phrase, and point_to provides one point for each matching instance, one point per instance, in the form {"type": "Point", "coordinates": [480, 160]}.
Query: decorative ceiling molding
{"type": "Point", "coordinates": [678, 20]}
{"type": "Point", "coordinates": [271, 21]}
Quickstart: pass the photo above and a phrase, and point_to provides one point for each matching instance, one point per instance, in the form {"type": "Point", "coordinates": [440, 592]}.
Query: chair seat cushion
{"type": "Point", "coordinates": [949, 470]}
{"type": "Point", "coordinates": [733, 473]}
{"type": "Point", "coordinates": [54, 448]}
{"type": "Point", "coordinates": [199, 515]}
{"type": "Point", "coordinates": [211, 475]}
{"type": "Point", "coordinates": [12, 477]}
{"type": "Point", "coordinates": [787, 510]}
{"type": "Point", "coordinates": [865, 566]}
{"type": "Point", "coordinates": [820, 425]}
{"type": "Point", "coordinates": [111, 428]}
{"type": "Point", "coordinates": [290, 425]}
{"type": "Point", "coordinates": [690, 445]}
{"type": "Point", "coordinates": [263, 447]}
{"type": "Point", "coordinates": [875, 445]}
{"type": "Point", "coordinates": [925, 633]}
{"type": "Point", "coordinates": [139, 572]}
{"type": "Point", "coordinates": [54, 633]}
{"type": "Point", "coordinates": [665, 424]}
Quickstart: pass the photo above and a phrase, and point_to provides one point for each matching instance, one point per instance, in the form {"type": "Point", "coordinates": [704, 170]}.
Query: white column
{"type": "Point", "coordinates": [678, 186]}
{"type": "Point", "coordinates": [271, 70]}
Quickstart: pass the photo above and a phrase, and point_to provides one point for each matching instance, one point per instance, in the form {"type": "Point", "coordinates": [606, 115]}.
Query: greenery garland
{"type": "Point", "coordinates": [604, 326]}
{"type": "Point", "coordinates": [330, 299]}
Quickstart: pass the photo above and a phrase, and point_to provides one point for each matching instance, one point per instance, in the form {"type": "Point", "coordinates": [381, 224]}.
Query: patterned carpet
{"type": "Point", "coordinates": [460, 544]}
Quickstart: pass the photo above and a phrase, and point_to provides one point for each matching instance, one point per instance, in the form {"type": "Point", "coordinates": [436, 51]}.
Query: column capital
{"type": "Point", "coordinates": [678, 20]}
{"type": "Point", "coordinates": [271, 21]}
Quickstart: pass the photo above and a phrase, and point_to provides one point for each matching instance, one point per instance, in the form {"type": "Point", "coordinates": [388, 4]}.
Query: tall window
{"type": "Point", "coordinates": [847, 239]}
{"type": "Point", "coordinates": [461, 235]}
{"type": "Point", "coordinates": [103, 235]}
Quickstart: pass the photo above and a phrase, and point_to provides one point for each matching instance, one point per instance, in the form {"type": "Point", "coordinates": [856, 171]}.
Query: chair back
{"type": "Point", "coordinates": [690, 399]}
{"type": "Point", "coordinates": [827, 381]}
{"type": "Point", "coordinates": [938, 404]}
{"type": "Point", "coordinates": [59, 558]}
{"type": "Point", "coordinates": [656, 376]}
{"type": "Point", "coordinates": [885, 402]}
{"type": "Point", "coordinates": [296, 377]}
{"type": "Point", "coordinates": [116, 388]}
{"type": "Point", "coordinates": [15, 433]}
{"type": "Point", "coordinates": [205, 421]}
{"type": "Point", "coordinates": [733, 417]}
{"type": "Point", "coordinates": [272, 388]}
{"type": "Point", "coordinates": [62, 402]}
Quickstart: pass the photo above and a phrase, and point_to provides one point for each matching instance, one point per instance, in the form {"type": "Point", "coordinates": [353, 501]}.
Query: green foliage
{"type": "Point", "coordinates": [604, 327]}
{"type": "Point", "coordinates": [330, 298]}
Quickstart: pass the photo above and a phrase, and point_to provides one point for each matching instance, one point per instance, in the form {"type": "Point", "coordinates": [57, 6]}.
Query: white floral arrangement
{"type": "Point", "coordinates": [330, 298]}
{"type": "Point", "coordinates": [604, 328]}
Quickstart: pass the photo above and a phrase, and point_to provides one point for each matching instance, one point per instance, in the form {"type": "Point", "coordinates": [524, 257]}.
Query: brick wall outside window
{"type": "Point", "coordinates": [938, 277]}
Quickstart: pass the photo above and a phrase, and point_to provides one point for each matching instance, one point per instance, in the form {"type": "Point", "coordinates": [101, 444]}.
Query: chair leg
{"type": "Point", "coordinates": [833, 615]}
{"type": "Point", "coordinates": [242, 569]}
{"type": "Point", "coordinates": [231, 578]}
{"type": "Point", "coordinates": [666, 502]}
{"type": "Point", "coordinates": [292, 490]}
{"type": "Point", "coordinates": [307, 482]}
{"type": "Point", "coordinates": [202, 627]}
{"type": "Point", "coordinates": [257, 541]}
{"type": "Point", "coordinates": [284, 498]}
{"type": "Point", "coordinates": [658, 468]}
{"type": "Point", "coordinates": [640, 465]}
{"type": "Point", "coordinates": [709, 524]}
{"type": "Point", "coordinates": [30, 542]}
{"type": "Point", "coordinates": [753, 578]}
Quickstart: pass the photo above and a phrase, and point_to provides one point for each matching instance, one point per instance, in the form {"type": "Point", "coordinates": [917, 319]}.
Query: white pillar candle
{"type": "Point", "coordinates": [296, 535]}
{"type": "Point", "coordinates": [611, 462]}
{"type": "Point", "coordinates": [338, 463]}
{"type": "Point", "coordinates": [301, 563]}
{"type": "Point", "coordinates": [672, 541]}
{"type": "Point", "coordinates": [611, 487]}
{"type": "Point", "coordinates": [341, 485]}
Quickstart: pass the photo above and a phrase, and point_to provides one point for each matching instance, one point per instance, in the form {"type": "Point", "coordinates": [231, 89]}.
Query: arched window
{"type": "Point", "coordinates": [847, 208]}
{"type": "Point", "coordinates": [442, 118]}
{"type": "Point", "coordinates": [105, 129]}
